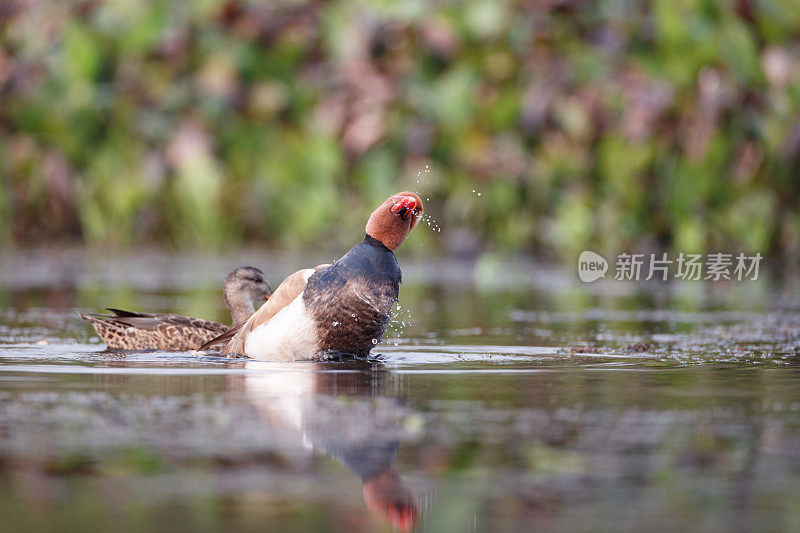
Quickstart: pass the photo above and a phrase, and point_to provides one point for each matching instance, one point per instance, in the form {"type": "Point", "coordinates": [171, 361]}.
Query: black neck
{"type": "Point", "coordinates": [369, 239]}
{"type": "Point", "coordinates": [370, 258]}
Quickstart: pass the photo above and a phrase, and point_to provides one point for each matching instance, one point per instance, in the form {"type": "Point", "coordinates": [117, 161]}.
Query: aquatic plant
{"type": "Point", "coordinates": [613, 124]}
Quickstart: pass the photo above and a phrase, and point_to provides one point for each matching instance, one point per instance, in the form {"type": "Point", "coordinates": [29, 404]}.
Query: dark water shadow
{"type": "Point", "coordinates": [347, 411]}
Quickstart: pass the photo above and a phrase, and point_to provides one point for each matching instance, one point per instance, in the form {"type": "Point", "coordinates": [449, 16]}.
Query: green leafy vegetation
{"type": "Point", "coordinates": [613, 125]}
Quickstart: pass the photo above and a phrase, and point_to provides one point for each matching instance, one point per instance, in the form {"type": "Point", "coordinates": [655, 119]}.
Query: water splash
{"type": "Point", "coordinates": [400, 318]}
{"type": "Point", "coordinates": [430, 222]}
{"type": "Point", "coordinates": [423, 176]}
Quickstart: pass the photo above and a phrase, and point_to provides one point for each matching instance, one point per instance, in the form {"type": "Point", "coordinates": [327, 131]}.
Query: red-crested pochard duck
{"type": "Point", "coordinates": [338, 309]}
{"type": "Point", "coordinates": [128, 330]}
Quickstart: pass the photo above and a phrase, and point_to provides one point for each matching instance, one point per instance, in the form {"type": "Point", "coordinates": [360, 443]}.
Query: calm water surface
{"type": "Point", "coordinates": [503, 398]}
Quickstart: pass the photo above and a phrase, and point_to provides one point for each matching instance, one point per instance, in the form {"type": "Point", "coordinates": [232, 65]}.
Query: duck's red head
{"type": "Point", "coordinates": [395, 218]}
{"type": "Point", "coordinates": [386, 496]}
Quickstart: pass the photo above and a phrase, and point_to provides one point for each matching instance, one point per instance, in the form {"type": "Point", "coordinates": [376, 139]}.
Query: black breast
{"type": "Point", "coordinates": [351, 300]}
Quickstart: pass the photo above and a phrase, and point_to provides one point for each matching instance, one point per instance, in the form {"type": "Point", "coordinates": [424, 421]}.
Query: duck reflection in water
{"type": "Point", "coordinates": [344, 411]}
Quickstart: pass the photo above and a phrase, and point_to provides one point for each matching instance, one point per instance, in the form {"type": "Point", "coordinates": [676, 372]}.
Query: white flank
{"type": "Point", "coordinates": [290, 335]}
{"type": "Point", "coordinates": [283, 399]}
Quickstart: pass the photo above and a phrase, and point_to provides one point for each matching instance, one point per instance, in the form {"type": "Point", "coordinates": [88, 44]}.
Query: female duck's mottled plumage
{"type": "Point", "coordinates": [127, 330]}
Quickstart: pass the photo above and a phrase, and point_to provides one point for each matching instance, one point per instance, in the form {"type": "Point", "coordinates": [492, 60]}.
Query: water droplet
{"type": "Point", "coordinates": [335, 323]}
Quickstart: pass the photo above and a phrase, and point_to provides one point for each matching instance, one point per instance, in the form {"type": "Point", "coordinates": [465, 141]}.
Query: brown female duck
{"type": "Point", "coordinates": [335, 309]}
{"type": "Point", "coordinates": [126, 330]}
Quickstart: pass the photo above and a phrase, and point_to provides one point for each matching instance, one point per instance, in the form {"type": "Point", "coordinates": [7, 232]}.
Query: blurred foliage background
{"type": "Point", "coordinates": [548, 126]}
